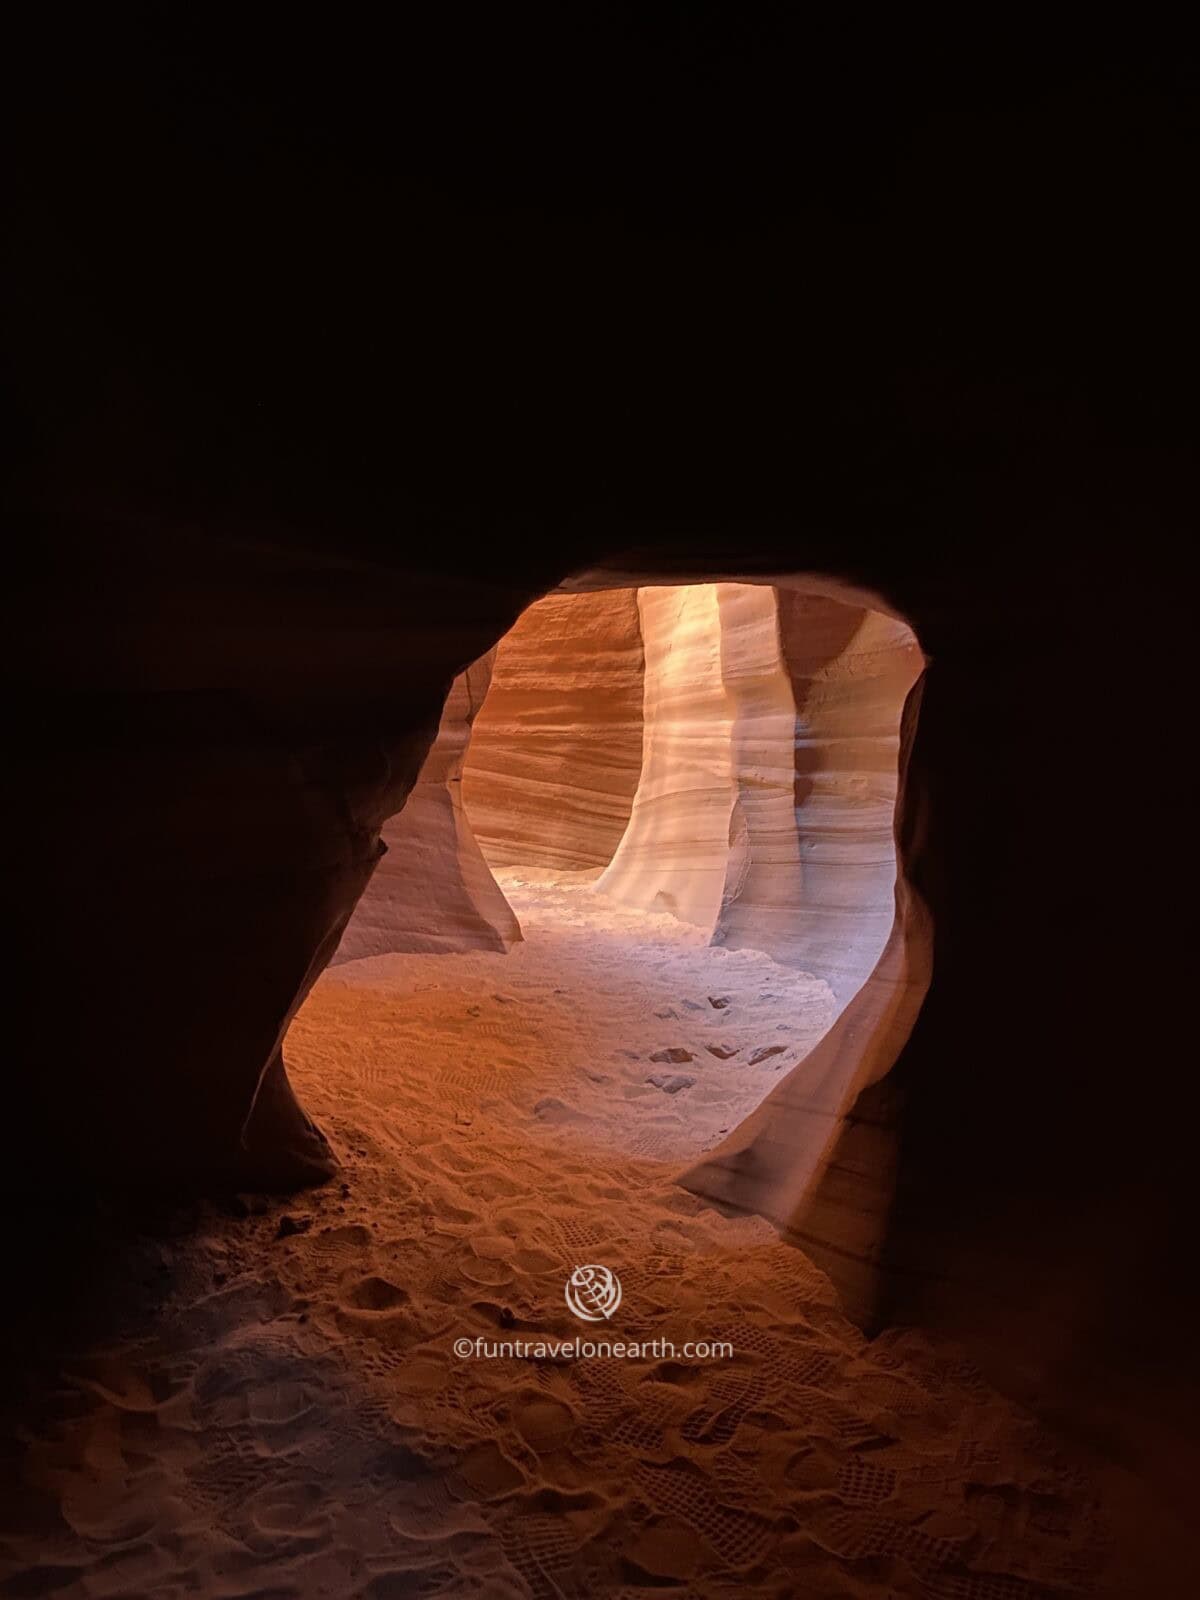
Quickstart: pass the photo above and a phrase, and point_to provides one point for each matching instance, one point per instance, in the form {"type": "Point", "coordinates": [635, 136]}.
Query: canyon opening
{"type": "Point", "coordinates": [670, 811]}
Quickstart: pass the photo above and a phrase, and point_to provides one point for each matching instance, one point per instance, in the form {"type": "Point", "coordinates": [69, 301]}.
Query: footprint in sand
{"type": "Point", "coordinates": [488, 1472]}
{"type": "Point", "coordinates": [545, 1425]}
{"type": "Point", "coordinates": [106, 1512]}
{"type": "Point", "coordinates": [277, 1404]}
{"type": "Point", "coordinates": [374, 1293]}
{"type": "Point", "coordinates": [554, 1111]}
{"type": "Point", "coordinates": [290, 1508]}
{"type": "Point", "coordinates": [667, 1550]}
{"type": "Point", "coordinates": [487, 1274]}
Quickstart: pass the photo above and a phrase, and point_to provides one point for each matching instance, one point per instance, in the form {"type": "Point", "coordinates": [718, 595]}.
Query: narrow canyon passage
{"type": "Point", "coordinates": [298, 1421]}
{"type": "Point", "coordinates": [731, 754]}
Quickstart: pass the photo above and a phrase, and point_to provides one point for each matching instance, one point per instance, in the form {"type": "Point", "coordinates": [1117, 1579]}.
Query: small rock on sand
{"type": "Point", "coordinates": [764, 1051]}
{"type": "Point", "coordinates": [675, 1054]}
{"type": "Point", "coordinates": [670, 1082]}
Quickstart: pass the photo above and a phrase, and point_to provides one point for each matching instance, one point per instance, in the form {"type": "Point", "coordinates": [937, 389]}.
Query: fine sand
{"type": "Point", "coordinates": [292, 1419]}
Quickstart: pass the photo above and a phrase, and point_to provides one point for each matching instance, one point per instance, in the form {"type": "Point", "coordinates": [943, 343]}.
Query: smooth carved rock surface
{"type": "Point", "coordinates": [674, 855]}
{"type": "Point", "coordinates": [813, 884]}
{"type": "Point", "coordinates": [433, 891]}
{"type": "Point", "coordinates": [766, 804]}
{"type": "Point", "coordinates": [556, 751]}
{"type": "Point", "coordinates": [820, 1156]}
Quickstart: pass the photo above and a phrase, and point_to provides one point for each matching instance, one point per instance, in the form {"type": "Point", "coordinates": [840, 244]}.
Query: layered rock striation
{"type": "Point", "coordinates": [432, 891]}
{"type": "Point", "coordinates": [765, 808]}
{"type": "Point", "coordinates": [556, 751]}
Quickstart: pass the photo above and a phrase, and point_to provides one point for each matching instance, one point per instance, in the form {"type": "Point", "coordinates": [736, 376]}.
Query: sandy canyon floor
{"type": "Point", "coordinates": [284, 1414]}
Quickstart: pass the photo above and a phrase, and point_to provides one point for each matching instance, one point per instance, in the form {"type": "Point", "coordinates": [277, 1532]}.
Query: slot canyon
{"type": "Point", "coordinates": [601, 856]}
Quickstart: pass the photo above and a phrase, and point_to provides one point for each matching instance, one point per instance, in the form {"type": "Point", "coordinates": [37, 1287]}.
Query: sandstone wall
{"type": "Point", "coordinates": [674, 853]}
{"type": "Point", "coordinates": [554, 758]}
{"type": "Point", "coordinates": [433, 891]}
{"type": "Point", "coordinates": [815, 747]}
{"type": "Point", "coordinates": [766, 803]}
{"type": "Point", "coordinates": [821, 1154]}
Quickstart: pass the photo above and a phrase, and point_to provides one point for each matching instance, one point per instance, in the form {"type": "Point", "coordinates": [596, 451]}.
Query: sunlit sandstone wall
{"type": "Point", "coordinates": [556, 751]}
{"type": "Point", "coordinates": [821, 1155]}
{"type": "Point", "coordinates": [766, 803]}
{"type": "Point", "coordinates": [433, 892]}
{"type": "Point", "coordinates": [674, 854]}
{"type": "Point", "coordinates": [816, 743]}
